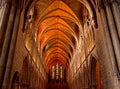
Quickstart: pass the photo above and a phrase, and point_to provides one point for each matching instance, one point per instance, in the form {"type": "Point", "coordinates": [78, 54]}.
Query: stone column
{"type": "Point", "coordinates": [2, 11]}
{"type": "Point", "coordinates": [113, 33]}
{"type": "Point", "coordinates": [116, 14]}
{"type": "Point", "coordinates": [6, 82]}
{"type": "Point", "coordinates": [4, 20]}
{"type": "Point", "coordinates": [5, 47]}
{"type": "Point", "coordinates": [108, 42]}
{"type": "Point", "coordinates": [110, 61]}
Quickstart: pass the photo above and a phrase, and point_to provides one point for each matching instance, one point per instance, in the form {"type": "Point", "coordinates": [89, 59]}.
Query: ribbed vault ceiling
{"type": "Point", "coordinates": [59, 25]}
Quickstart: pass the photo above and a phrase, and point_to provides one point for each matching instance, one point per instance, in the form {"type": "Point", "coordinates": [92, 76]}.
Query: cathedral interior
{"type": "Point", "coordinates": [59, 44]}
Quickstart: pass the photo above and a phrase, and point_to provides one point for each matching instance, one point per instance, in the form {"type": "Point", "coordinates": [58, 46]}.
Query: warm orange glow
{"type": "Point", "coordinates": [57, 38]}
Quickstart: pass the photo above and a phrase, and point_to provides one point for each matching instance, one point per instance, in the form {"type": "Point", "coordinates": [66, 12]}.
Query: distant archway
{"type": "Point", "coordinates": [15, 81]}
{"type": "Point", "coordinates": [95, 76]}
{"type": "Point", "coordinates": [24, 74]}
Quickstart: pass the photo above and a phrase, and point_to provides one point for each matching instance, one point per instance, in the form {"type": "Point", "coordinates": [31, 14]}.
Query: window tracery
{"type": "Point", "coordinates": [57, 73]}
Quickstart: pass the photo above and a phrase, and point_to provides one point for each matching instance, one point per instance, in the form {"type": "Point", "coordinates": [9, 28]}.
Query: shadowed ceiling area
{"type": "Point", "coordinates": [59, 24]}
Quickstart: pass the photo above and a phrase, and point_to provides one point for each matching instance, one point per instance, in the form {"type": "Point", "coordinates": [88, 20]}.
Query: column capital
{"type": "Point", "coordinates": [94, 22]}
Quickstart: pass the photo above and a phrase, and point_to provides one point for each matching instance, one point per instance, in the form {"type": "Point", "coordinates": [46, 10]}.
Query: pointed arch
{"type": "Point", "coordinates": [15, 81]}
{"type": "Point", "coordinates": [96, 81]}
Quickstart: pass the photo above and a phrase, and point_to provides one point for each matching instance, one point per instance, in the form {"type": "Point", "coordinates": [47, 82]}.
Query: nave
{"type": "Point", "coordinates": [59, 44]}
